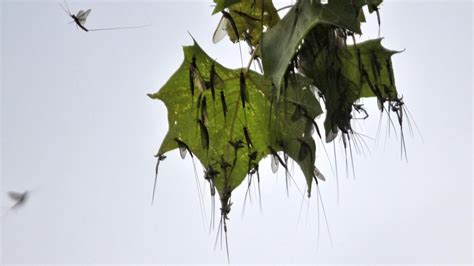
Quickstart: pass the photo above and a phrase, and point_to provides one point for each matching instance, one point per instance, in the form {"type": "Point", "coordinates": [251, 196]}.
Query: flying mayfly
{"type": "Point", "coordinates": [19, 197]}
{"type": "Point", "coordinates": [81, 17]}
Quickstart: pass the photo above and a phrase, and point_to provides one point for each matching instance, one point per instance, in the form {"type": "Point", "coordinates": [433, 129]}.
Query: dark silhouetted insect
{"type": "Point", "coordinates": [160, 157]}
{"type": "Point", "coordinates": [247, 138]}
{"type": "Point", "coordinates": [376, 67]}
{"type": "Point", "coordinates": [183, 148]}
{"type": "Point", "coordinates": [204, 134]}
{"type": "Point", "coordinates": [19, 197]}
{"type": "Point", "coordinates": [195, 78]}
{"type": "Point", "coordinates": [224, 105]}
{"type": "Point", "coordinates": [204, 116]}
{"type": "Point", "coordinates": [318, 174]}
{"type": "Point", "coordinates": [304, 150]}
{"type": "Point", "coordinates": [360, 109]}
{"type": "Point", "coordinates": [278, 160]}
{"type": "Point", "coordinates": [237, 144]}
{"type": "Point", "coordinates": [390, 71]}
{"type": "Point", "coordinates": [209, 174]}
{"type": "Point", "coordinates": [192, 68]}
{"type": "Point", "coordinates": [231, 21]}
{"type": "Point", "coordinates": [297, 114]}
{"type": "Point", "coordinates": [243, 89]}
{"type": "Point", "coordinates": [212, 81]}
{"type": "Point", "coordinates": [221, 30]}
{"type": "Point", "coordinates": [81, 16]}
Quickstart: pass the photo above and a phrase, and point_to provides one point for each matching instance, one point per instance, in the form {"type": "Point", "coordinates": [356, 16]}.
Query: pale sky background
{"type": "Point", "coordinates": [79, 130]}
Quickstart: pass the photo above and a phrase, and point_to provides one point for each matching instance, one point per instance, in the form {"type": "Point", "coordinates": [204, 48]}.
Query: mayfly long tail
{"type": "Point", "coordinates": [219, 230]}
{"type": "Point", "coordinates": [213, 213]}
{"type": "Point", "coordinates": [327, 155]}
{"type": "Point", "coordinates": [156, 177]}
{"type": "Point", "coordinates": [301, 208]}
{"type": "Point", "coordinates": [414, 122]}
{"type": "Point", "coordinates": [121, 28]}
{"type": "Point", "coordinates": [403, 148]}
{"type": "Point", "coordinates": [337, 175]}
{"type": "Point", "coordinates": [344, 141]}
{"type": "Point", "coordinates": [352, 157]}
{"type": "Point", "coordinates": [247, 192]}
{"type": "Point", "coordinates": [259, 193]}
{"type": "Point", "coordinates": [377, 135]}
{"type": "Point", "coordinates": [318, 223]}
{"type": "Point", "coordinates": [324, 214]}
{"type": "Point", "coordinates": [226, 242]}
{"type": "Point", "coordinates": [201, 200]}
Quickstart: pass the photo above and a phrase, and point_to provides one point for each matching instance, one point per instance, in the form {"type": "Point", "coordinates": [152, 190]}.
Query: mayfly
{"type": "Point", "coordinates": [183, 148]}
{"type": "Point", "coordinates": [243, 89]}
{"type": "Point", "coordinates": [224, 23]}
{"type": "Point", "coordinates": [275, 160]}
{"type": "Point", "coordinates": [19, 198]}
{"type": "Point", "coordinates": [305, 149]}
{"type": "Point", "coordinates": [224, 105]}
{"type": "Point", "coordinates": [81, 17]}
{"type": "Point", "coordinates": [221, 30]}
{"type": "Point", "coordinates": [204, 135]}
{"type": "Point", "coordinates": [318, 174]}
{"type": "Point", "coordinates": [195, 77]}
{"type": "Point", "coordinates": [247, 138]}
{"type": "Point", "coordinates": [204, 115]}
{"type": "Point", "coordinates": [209, 174]}
{"type": "Point", "coordinates": [212, 81]}
{"type": "Point", "coordinates": [160, 157]}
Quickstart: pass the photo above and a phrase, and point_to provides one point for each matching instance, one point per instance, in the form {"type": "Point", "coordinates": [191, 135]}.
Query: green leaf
{"type": "Point", "coordinates": [346, 74]}
{"type": "Point", "coordinates": [373, 5]}
{"type": "Point", "coordinates": [268, 123]}
{"type": "Point", "coordinates": [280, 43]}
{"type": "Point", "coordinates": [248, 19]}
{"type": "Point", "coordinates": [223, 4]}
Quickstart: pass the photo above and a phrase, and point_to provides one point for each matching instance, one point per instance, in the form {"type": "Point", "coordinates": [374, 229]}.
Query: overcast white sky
{"type": "Point", "coordinates": [79, 130]}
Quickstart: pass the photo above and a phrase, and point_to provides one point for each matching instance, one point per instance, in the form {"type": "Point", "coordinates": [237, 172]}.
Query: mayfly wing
{"type": "Point", "coordinates": [83, 16]}
{"type": "Point", "coordinates": [274, 163]}
{"type": "Point", "coordinates": [15, 195]}
{"type": "Point", "coordinates": [232, 23]}
{"type": "Point", "coordinates": [183, 148]}
{"type": "Point", "coordinates": [221, 30]}
{"type": "Point", "coordinates": [182, 152]}
{"type": "Point", "coordinates": [318, 174]}
{"type": "Point", "coordinates": [79, 14]}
